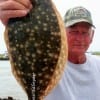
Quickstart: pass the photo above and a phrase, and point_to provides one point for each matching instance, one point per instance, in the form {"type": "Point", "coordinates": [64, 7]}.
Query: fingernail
{"type": "Point", "coordinates": [25, 12]}
{"type": "Point", "coordinates": [31, 6]}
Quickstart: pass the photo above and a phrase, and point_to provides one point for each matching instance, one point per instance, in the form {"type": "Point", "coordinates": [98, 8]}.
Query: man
{"type": "Point", "coordinates": [80, 80]}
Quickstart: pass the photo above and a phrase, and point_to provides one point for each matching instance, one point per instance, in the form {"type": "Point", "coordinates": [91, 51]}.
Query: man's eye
{"type": "Point", "coordinates": [73, 32]}
{"type": "Point", "coordinates": [85, 33]}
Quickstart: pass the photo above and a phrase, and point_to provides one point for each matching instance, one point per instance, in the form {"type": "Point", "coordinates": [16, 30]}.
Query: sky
{"type": "Point", "coordinates": [63, 5]}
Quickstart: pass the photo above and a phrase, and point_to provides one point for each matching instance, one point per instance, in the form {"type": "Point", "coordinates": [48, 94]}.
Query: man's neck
{"type": "Point", "coordinates": [77, 59]}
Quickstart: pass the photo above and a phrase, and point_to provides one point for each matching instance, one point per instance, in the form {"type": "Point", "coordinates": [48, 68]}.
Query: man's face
{"type": "Point", "coordinates": [79, 37]}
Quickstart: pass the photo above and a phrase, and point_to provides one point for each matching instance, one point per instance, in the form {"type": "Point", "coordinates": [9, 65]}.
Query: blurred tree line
{"type": "Point", "coordinates": [96, 53]}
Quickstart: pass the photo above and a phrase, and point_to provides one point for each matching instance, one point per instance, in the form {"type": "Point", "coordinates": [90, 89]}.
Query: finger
{"type": "Point", "coordinates": [13, 13]}
{"type": "Point", "coordinates": [5, 15]}
{"type": "Point", "coordinates": [4, 21]}
{"type": "Point", "coordinates": [7, 5]}
{"type": "Point", "coordinates": [2, 0]}
{"type": "Point", "coordinates": [26, 3]}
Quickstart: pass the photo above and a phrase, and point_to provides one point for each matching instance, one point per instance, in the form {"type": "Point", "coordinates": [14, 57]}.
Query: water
{"type": "Point", "coordinates": [8, 84]}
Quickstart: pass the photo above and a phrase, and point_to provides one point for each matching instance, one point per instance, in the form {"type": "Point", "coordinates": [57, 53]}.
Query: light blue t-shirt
{"type": "Point", "coordinates": [79, 81]}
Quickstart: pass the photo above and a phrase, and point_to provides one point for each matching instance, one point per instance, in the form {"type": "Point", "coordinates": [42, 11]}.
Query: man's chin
{"type": "Point", "coordinates": [78, 51]}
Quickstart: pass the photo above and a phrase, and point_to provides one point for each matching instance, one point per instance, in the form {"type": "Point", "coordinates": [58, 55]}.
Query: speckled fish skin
{"type": "Point", "coordinates": [37, 47]}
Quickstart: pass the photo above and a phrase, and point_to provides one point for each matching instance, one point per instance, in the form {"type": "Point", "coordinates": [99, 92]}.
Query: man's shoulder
{"type": "Point", "coordinates": [93, 58]}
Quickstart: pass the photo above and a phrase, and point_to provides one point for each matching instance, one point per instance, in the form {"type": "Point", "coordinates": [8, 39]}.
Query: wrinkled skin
{"type": "Point", "coordinates": [80, 37]}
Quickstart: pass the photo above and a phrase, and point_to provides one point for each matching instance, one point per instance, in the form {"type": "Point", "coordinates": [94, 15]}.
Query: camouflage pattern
{"type": "Point", "coordinates": [77, 14]}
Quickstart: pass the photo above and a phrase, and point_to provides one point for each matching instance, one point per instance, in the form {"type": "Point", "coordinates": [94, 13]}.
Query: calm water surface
{"type": "Point", "coordinates": [8, 84]}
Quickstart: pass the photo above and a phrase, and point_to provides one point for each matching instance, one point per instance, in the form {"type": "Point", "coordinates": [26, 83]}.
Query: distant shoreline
{"type": "Point", "coordinates": [4, 58]}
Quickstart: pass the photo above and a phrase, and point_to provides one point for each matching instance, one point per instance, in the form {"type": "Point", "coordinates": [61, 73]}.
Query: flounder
{"type": "Point", "coordinates": [37, 47]}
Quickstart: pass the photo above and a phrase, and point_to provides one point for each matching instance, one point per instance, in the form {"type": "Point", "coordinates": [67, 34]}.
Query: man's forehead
{"type": "Point", "coordinates": [83, 24]}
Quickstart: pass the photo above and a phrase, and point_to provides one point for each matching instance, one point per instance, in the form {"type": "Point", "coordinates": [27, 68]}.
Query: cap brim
{"type": "Point", "coordinates": [72, 22]}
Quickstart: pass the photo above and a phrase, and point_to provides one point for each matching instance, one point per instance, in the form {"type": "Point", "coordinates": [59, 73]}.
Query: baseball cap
{"type": "Point", "coordinates": [76, 15]}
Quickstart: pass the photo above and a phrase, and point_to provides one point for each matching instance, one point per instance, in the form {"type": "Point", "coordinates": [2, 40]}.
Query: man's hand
{"type": "Point", "coordinates": [13, 8]}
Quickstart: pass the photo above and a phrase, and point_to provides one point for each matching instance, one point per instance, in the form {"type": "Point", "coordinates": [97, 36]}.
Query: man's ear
{"type": "Point", "coordinates": [92, 35]}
